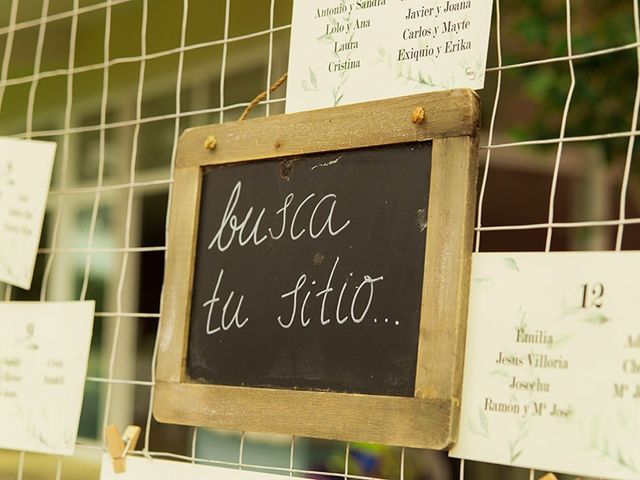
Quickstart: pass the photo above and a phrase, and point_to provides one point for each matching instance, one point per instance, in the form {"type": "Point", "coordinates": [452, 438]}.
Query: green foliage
{"type": "Point", "coordinates": [605, 87]}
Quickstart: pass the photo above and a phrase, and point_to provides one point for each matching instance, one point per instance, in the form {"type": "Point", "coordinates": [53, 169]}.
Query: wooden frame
{"type": "Point", "coordinates": [429, 419]}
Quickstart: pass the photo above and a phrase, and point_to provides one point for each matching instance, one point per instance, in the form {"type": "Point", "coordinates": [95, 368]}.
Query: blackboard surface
{"type": "Point", "coordinates": [359, 232]}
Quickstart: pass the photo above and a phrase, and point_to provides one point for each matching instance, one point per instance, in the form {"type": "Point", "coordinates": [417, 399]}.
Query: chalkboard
{"type": "Point", "coordinates": [317, 272]}
{"type": "Point", "coordinates": [351, 251]}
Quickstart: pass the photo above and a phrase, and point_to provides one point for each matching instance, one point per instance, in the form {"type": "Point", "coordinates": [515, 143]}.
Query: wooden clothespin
{"type": "Point", "coordinates": [119, 446]}
{"type": "Point", "coordinates": [548, 476]}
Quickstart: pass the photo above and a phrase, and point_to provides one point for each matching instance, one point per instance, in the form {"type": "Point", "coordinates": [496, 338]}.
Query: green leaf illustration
{"type": "Point", "coordinates": [511, 264]}
{"type": "Point", "coordinates": [500, 373]}
{"type": "Point", "coordinates": [594, 317]}
{"type": "Point", "coordinates": [484, 422]}
{"type": "Point", "coordinates": [560, 340]}
{"type": "Point", "coordinates": [515, 455]}
{"type": "Point", "coordinates": [313, 78]}
{"type": "Point", "coordinates": [484, 282]}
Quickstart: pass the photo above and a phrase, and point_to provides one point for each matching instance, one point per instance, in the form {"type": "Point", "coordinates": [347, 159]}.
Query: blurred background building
{"type": "Point", "coordinates": [104, 234]}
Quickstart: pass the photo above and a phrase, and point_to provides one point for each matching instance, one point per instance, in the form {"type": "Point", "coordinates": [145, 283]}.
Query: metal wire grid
{"type": "Point", "coordinates": [63, 193]}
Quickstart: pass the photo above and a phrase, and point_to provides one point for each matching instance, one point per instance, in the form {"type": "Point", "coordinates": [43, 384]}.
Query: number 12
{"type": "Point", "coordinates": [592, 295]}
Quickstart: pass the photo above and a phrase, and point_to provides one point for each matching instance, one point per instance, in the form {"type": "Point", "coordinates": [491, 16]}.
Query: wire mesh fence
{"type": "Point", "coordinates": [114, 83]}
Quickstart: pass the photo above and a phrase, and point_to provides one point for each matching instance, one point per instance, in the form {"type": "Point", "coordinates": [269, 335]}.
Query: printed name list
{"type": "Point", "coordinates": [552, 372]}
{"type": "Point", "coordinates": [44, 348]}
{"type": "Point", "coordinates": [408, 46]}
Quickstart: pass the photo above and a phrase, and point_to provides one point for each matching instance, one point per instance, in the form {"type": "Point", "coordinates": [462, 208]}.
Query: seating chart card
{"type": "Point", "coordinates": [350, 51]}
{"type": "Point", "coordinates": [25, 175]}
{"type": "Point", "coordinates": [44, 348]}
{"type": "Point", "coordinates": [552, 367]}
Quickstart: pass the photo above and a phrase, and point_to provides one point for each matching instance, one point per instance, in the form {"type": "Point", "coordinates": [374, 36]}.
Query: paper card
{"type": "Point", "coordinates": [44, 349]}
{"type": "Point", "coordinates": [140, 468]}
{"type": "Point", "coordinates": [349, 51]}
{"type": "Point", "coordinates": [25, 175]}
{"type": "Point", "coordinates": [552, 367]}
